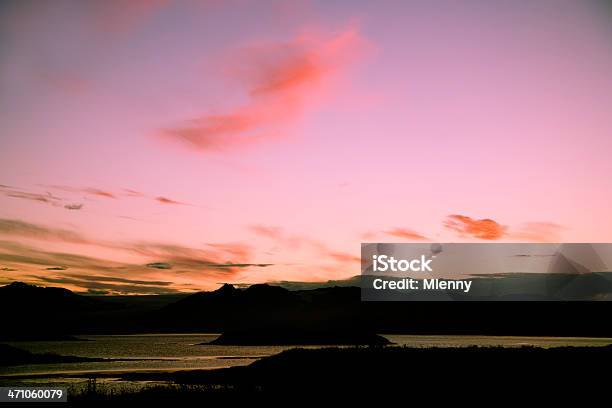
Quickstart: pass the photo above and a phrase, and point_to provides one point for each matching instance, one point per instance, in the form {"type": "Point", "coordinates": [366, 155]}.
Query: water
{"type": "Point", "coordinates": [145, 352]}
{"type": "Point", "coordinates": [172, 352]}
{"type": "Point", "coordinates": [492, 341]}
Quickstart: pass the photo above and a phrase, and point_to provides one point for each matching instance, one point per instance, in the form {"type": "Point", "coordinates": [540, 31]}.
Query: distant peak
{"type": "Point", "coordinates": [226, 288]}
{"type": "Point", "coordinates": [19, 285]}
{"type": "Point", "coordinates": [265, 288]}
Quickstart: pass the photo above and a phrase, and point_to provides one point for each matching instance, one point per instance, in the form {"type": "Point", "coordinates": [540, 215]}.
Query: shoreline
{"type": "Point", "coordinates": [173, 374]}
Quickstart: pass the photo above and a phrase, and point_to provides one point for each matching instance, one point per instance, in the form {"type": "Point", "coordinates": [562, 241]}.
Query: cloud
{"type": "Point", "coordinates": [165, 200]}
{"type": "Point", "coordinates": [293, 242]}
{"type": "Point", "coordinates": [98, 278]}
{"type": "Point", "coordinates": [278, 80]}
{"type": "Point", "coordinates": [108, 285]}
{"type": "Point", "coordinates": [73, 206]}
{"type": "Point", "coordinates": [97, 192]}
{"type": "Point", "coordinates": [483, 229]}
{"type": "Point", "coordinates": [489, 229]}
{"type": "Point", "coordinates": [96, 273]}
{"type": "Point", "coordinates": [267, 231]}
{"type": "Point", "coordinates": [182, 259]}
{"type": "Point", "coordinates": [236, 251]}
{"type": "Point", "coordinates": [344, 257]}
{"type": "Point", "coordinates": [221, 260]}
{"type": "Point", "coordinates": [212, 255]}
{"type": "Point", "coordinates": [40, 232]}
{"type": "Point", "coordinates": [406, 234]}
{"type": "Point", "coordinates": [16, 253]}
{"type": "Point", "coordinates": [159, 265]}
{"type": "Point", "coordinates": [86, 190]}
{"type": "Point", "coordinates": [133, 193]}
{"type": "Point", "coordinates": [159, 260]}
{"type": "Point", "coordinates": [97, 292]}
{"type": "Point", "coordinates": [46, 198]}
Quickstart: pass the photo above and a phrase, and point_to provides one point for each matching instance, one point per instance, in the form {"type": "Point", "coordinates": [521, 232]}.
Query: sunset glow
{"type": "Point", "coordinates": [162, 146]}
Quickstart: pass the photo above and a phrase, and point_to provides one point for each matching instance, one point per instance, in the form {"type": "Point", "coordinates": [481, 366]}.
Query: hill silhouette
{"type": "Point", "coordinates": [45, 313]}
{"type": "Point", "coordinates": [42, 313]}
{"type": "Point", "coordinates": [265, 306]}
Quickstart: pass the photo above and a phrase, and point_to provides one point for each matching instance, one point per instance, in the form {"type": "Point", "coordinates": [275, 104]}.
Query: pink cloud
{"type": "Point", "coordinates": [278, 78]}
{"type": "Point", "coordinates": [344, 257]}
{"type": "Point", "coordinates": [40, 232]}
{"type": "Point", "coordinates": [293, 242]}
{"type": "Point", "coordinates": [406, 234]}
{"type": "Point", "coordinates": [46, 198]}
{"type": "Point", "coordinates": [166, 200]}
{"type": "Point", "coordinates": [483, 229]}
{"type": "Point", "coordinates": [267, 231]}
{"type": "Point", "coordinates": [86, 190]}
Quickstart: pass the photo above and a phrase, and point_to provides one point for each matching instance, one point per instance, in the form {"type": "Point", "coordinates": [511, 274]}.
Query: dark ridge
{"type": "Point", "coordinates": [60, 312]}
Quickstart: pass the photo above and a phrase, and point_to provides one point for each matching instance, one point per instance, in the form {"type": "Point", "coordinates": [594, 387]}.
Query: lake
{"type": "Point", "coordinates": [170, 352]}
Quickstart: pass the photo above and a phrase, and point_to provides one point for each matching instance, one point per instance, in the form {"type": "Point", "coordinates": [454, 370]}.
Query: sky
{"type": "Point", "coordinates": [164, 146]}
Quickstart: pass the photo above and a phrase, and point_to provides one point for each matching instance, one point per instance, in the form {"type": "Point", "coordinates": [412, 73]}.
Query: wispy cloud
{"type": "Point", "coordinates": [405, 233]}
{"type": "Point", "coordinates": [159, 265]}
{"type": "Point", "coordinates": [267, 231]}
{"type": "Point", "coordinates": [212, 261]}
{"type": "Point", "coordinates": [115, 195]}
{"type": "Point", "coordinates": [166, 200]}
{"type": "Point", "coordinates": [92, 191]}
{"type": "Point", "coordinates": [295, 241]}
{"type": "Point", "coordinates": [344, 257]}
{"type": "Point", "coordinates": [278, 79]}
{"type": "Point", "coordinates": [73, 206]}
{"type": "Point", "coordinates": [106, 285]}
{"type": "Point", "coordinates": [26, 255]}
{"type": "Point", "coordinates": [173, 262]}
{"type": "Point", "coordinates": [288, 240]}
{"type": "Point", "coordinates": [40, 232]}
{"type": "Point", "coordinates": [45, 197]}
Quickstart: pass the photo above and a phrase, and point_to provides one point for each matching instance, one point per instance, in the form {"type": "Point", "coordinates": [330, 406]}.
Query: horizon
{"type": "Point", "coordinates": [287, 285]}
{"type": "Point", "coordinates": [164, 147]}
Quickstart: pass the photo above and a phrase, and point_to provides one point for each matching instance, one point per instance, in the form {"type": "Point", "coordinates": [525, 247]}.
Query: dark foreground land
{"type": "Point", "coordinates": [351, 374]}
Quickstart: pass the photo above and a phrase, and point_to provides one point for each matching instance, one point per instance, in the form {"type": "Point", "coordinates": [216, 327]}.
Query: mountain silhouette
{"type": "Point", "coordinates": [41, 312]}
{"type": "Point", "coordinates": [264, 306]}
{"type": "Point", "coordinates": [51, 313]}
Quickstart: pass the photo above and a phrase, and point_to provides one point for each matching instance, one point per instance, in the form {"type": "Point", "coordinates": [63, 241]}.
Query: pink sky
{"type": "Point", "coordinates": [154, 146]}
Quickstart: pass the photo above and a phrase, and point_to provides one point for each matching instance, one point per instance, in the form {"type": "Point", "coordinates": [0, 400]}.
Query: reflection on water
{"type": "Point", "coordinates": [492, 341]}
{"type": "Point", "coordinates": [146, 352]}
{"type": "Point", "coordinates": [170, 352]}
